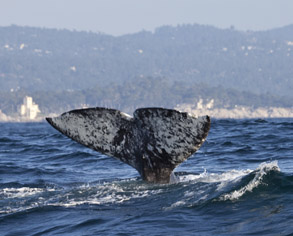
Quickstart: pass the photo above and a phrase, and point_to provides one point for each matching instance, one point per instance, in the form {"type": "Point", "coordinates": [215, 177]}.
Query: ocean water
{"type": "Point", "coordinates": [239, 183]}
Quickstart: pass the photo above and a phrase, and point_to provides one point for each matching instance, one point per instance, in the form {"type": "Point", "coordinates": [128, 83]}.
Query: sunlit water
{"type": "Point", "coordinates": [239, 183]}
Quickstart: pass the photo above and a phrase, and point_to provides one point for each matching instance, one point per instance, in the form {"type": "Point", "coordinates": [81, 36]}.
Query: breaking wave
{"type": "Point", "coordinates": [190, 190]}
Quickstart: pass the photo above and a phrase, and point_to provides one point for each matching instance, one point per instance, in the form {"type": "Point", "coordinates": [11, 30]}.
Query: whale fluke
{"type": "Point", "coordinates": [154, 141]}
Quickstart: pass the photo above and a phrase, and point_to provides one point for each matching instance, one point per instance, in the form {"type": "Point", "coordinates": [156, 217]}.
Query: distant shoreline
{"type": "Point", "coordinates": [241, 112]}
{"type": "Point", "coordinates": [18, 119]}
{"type": "Point", "coordinates": [218, 113]}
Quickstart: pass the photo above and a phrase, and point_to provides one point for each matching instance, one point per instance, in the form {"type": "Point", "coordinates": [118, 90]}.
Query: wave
{"type": "Point", "coordinates": [233, 185]}
{"type": "Point", "coordinates": [22, 192]}
{"type": "Point", "coordinates": [258, 179]}
{"type": "Point", "coordinates": [190, 190]}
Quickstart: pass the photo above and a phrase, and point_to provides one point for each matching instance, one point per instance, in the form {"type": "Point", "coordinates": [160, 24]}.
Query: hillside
{"type": "Point", "coordinates": [237, 67]}
{"type": "Point", "coordinates": [140, 92]}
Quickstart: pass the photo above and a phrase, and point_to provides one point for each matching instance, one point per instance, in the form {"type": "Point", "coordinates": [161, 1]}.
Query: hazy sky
{"type": "Point", "coordinates": [118, 17]}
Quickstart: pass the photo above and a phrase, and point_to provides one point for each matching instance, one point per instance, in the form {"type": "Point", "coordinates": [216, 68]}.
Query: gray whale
{"type": "Point", "coordinates": [154, 141]}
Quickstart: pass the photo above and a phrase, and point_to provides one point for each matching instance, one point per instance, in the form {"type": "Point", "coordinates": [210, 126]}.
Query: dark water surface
{"type": "Point", "coordinates": [239, 183]}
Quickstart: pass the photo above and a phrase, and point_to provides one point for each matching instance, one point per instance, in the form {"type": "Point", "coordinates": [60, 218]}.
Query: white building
{"type": "Point", "coordinates": [3, 117]}
{"type": "Point", "coordinates": [209, 105]}
{"type": "Point", "coordinates": [29, 109]}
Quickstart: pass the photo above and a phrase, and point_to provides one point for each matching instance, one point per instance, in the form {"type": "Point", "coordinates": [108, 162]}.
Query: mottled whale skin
{"type": "Point", "coordinates": [154, 141]}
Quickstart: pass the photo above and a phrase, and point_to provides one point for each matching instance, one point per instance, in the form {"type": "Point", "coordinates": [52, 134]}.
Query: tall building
{"type": "Point", "coordinates": [29, 109]}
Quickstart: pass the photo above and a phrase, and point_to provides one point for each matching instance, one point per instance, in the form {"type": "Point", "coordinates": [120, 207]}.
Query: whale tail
{"type": "Point", "coordinates": [154, 141]}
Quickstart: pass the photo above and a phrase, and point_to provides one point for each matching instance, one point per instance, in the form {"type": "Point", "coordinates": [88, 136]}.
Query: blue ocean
{"type": "Point", "coordinates": [240, 182]}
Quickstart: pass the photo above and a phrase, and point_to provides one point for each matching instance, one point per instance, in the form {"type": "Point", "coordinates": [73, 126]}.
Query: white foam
{"type": "Point", "coordinates": [109, 193]}
{"type": "Point", "coordinates": [21, 192]}
{"type": "Point", "coordinates": [217, 183]}
{"type": "Point", "coordinates": [201, 193]}
{"type": "Point", "coordinates": [261, 171]}
{"type": "Point", "coordinates": [191, 191]}
{"type": "Point", "coordinates": [114, 193]}
{"type": "Point", "coordinates": [206, 177]}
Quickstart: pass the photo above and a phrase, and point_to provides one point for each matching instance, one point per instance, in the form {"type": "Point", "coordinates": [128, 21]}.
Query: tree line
{"type": "Point", "coordinates": [138, 92]}
{"type": "Point", "coordinates": [38, 59]}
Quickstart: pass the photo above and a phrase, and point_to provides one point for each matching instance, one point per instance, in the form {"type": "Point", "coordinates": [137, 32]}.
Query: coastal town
{"type": "Point", "coordinates": [237, 112]}
{"type": "Point", "coordinates": [29, 111]}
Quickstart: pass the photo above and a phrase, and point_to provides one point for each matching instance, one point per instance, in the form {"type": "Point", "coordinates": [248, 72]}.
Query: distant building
{"type": "Point", "coordinates": [29, 109]}
{"type": "Point", "coordinates": [199, 105]}
{"type": "Point", "coordinates": [3, 117]}
{"type": "Point", "coordinates": [208, 105]}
